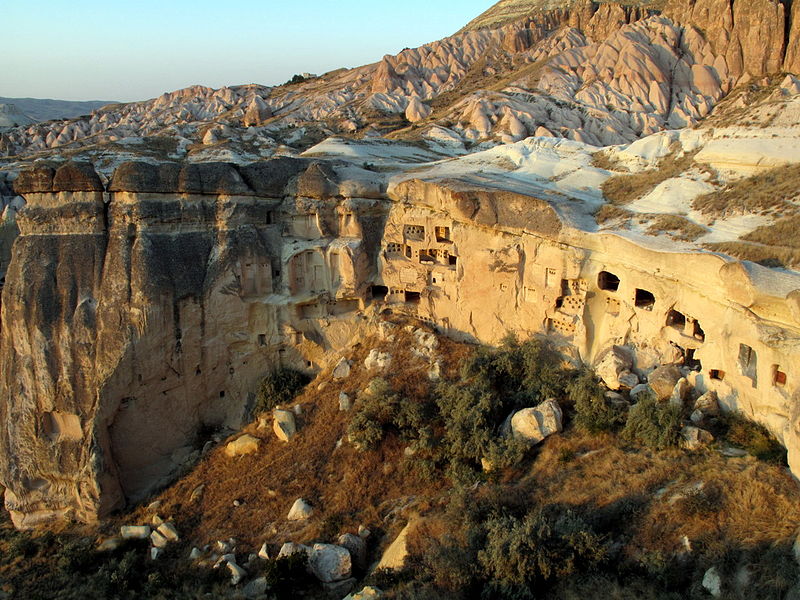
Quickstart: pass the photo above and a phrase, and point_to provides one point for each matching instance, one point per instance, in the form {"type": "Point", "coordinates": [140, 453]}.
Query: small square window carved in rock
{"type": "Point", "coordinates": [778, 376]}
{"type": "Point", "coordinates": [608, 281]}
{"type": "Point", "coordinates": [676, 319]}
{"type": "Point", "coordinates": [644, 299]}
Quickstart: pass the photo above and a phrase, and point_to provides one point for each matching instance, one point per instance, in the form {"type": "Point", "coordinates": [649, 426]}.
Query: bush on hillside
{"type": "Point", "coordinates": [653, 424]}
{"type": "Point", "coordinates": [545, 545]}
{"type": "Point", "coordinates": [740, 431]}
{"type": "Point", "coordinates": [592, 411]}
{"type": "Point", "coordinates": [520, 373]}
{"type": "Point", "coordinates": [375, 412]}
{"type": "Point", "coordinates": [279, 387]}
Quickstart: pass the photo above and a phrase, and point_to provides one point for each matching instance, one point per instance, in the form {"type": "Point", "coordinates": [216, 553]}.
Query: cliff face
{"type": "Point", "coordinates": [134, 319]}
{"type": "Point", "coordinates": [141, 311]}
{"type": "Point", "coordinates": [750, 36]}
{"type": "Point", "coordinates": [138, 315]}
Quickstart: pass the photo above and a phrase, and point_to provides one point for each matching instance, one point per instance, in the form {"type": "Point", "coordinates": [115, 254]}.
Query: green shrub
{"type": "Point", "coordinates": [521, 373]}
{"type": "Point", "coordinates": [279, 387]}
{"type": "Point", "coordinates": [544, 546]}
{"type": "Point", "coordinates": [592, 411]}
{"type": "Point", "coordinates": [743, 433]}
{"type": "Point", "coordinates": [376, 411]}
{"type": "Point", "coordinates": [653, 424]}
{"type": "Point", "coordinates": [285, 574]}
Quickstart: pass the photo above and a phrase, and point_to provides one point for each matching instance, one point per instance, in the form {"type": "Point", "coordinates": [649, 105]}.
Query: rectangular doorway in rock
{"type": "Point", "coordinates": [748, 363]}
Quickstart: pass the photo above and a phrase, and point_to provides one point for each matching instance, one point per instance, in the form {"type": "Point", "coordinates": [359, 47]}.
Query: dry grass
{"type": "Point", "coordinates": [769, 256]}
{"type": "Point", "coordinates": [602, 159]}
{"type": "Point", "coordinates": [677, 226]}
{"type": "Point", "coordinates": [346, 487]}
{"type": "Point", "coordinates": [784, 233]}
{"type": "Point", "coordinates": [611, 212]}
{"type": "Point", "coordinates": [769, 192]}
{"type": "Point", "coordinates": [623, 189]}
{"type": "Point", "coordinates": [747, 502]}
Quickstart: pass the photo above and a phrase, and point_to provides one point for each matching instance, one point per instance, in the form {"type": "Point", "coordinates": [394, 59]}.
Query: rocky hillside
{"type": "Point", "coordinates": [619, 179]}
{"type": "Point", "coordinates": [40, 109]}
{"type": "Point", "coordinates": [508, 11]}
{"type": "Point", "coordinates": [387, 474]}
{"type": "Point", "coordinates": [11, 116]}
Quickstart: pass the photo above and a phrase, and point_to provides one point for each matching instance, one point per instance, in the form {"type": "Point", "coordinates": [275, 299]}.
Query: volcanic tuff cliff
{"type": "Point", "coordinates": [152, 286]}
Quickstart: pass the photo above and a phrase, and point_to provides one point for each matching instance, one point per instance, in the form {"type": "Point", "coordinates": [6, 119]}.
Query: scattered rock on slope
{"type": "Point", "coordinates": [533, 425]}
{"type": "Point", "coordinates": [245, 444]}
{"type": "Point", "coordinates": [330, 563]}
{"type": "Point", "coordinates": [284, 425]}
{"type": "Point", "coordinates": [300, 510]}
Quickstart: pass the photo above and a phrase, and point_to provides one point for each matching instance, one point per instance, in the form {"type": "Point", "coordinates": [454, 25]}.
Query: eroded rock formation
{"type": "Point", "coordinates": [139, 312]}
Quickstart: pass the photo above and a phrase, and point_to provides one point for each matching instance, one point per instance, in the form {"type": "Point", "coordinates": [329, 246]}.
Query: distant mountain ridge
{"type": "Point", "coordinates": [507, 11]}
{"type": "Point", "coordinates": [46, 109]}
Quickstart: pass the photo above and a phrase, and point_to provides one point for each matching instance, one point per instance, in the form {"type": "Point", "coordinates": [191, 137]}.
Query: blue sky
{"type": "Point", "coordinates": [136, 49]}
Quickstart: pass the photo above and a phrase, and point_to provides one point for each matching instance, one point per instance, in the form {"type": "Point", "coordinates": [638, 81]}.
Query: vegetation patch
{"type": "Point", "coordinates": [279, 387]}
{"type": "Point", "coordinates": [677, 226]}
{"type": "Point", "coordinates": [782, 233]}
{"type": "Point", "coordinates": [623, 189]}
{"type": "Point", "coordinates": [653, 424]}
{"type": "Point", "coordinates": [611, 212]}
{"type": "Point", "coordinates": [768, 256]}
{"type": "Point", "coordinates": [770, 192]}
{"type": "Point", "coordinates": [593, 412]}
{"type": "Point", "coordinates": [603, 159]}
{"type": "Point", "coordinates": [595, 511]}
{"type": "Point", "coordinates": [752, 437]}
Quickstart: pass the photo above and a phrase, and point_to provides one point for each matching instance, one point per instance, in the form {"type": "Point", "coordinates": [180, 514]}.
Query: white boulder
{"type": "Point", "coordinates": [357, 548]}
{"type": "Point", "coordinates": [342, 369]}
{"type": "Point", "coordinates": [394, 557]}
{"type": "Point", "coordinates": [300, 511]}
{"type": "Point", "coordinates": [134, 532]}
{"type": "Point", "coordinates": [712, 582]}
{"type": "Point", "coordinates": [614, 363]}
{"type": "Point", "coordinates": [694, 437]}
{"type": "Point", "coordinates": [245, 444]}
{"type": "Point", "coordinates": [535, 424]}
{"type": "Point", "coordinates": [679, 392]}
{"type": "Point", "coordinates": [377, 360]}
{"type": "Point", "coordinates": [284, 424]}
{"type": "Point", "coordinates": [237, 573]}
{"type": "Point", "coordinates": [329, 562]}
{"type": "Point", "coordinates": [290, 548]}
{"type": "Point", "coordinates": [168, 531]}
{"type": "Point", "coordinates": [158, 540]}
{"type": "Point", "coordinates": [264, 551]}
